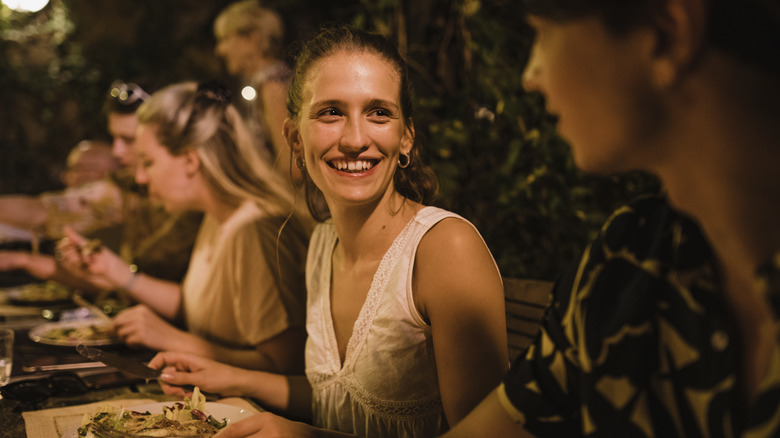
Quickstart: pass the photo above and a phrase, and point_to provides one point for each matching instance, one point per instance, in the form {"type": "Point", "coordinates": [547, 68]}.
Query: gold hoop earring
{"type": "Point", "coordinates": [403, 161]}
{"type": "Point", "coordinates": [299, 162]}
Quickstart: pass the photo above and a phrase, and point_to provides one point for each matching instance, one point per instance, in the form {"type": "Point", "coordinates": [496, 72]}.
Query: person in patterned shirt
{"type": "Point", "coordinates": [668, 325]}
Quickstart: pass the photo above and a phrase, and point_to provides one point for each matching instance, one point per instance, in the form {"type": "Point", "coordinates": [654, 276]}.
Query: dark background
{"type": "Point", "coordinates": [499, 161]}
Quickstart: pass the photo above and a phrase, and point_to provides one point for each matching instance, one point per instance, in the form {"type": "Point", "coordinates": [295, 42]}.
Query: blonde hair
{"type": "Point", "coordinates": [247, 16]}
{"type": "Point", "coordinates": [201, 118]}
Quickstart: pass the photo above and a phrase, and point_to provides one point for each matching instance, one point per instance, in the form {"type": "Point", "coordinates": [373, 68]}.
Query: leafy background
{"type": "Point", "coordinates": [499, 161]}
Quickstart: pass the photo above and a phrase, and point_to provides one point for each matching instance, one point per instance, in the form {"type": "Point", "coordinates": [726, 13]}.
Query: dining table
{"type": "Point", "coordinates": [51, 385]}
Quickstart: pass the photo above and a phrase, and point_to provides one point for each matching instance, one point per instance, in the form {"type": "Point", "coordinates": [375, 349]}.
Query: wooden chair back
{"type": "Point", "coordinates": [526, 302]}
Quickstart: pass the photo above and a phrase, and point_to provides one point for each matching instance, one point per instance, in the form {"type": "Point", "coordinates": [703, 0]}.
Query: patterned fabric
{"type": "Point", "coordinates": [387, 385]}
{"type": "Point", "coordinates": [637, 342]}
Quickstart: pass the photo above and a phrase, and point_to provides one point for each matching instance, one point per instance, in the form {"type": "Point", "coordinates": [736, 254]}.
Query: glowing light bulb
{"type": "Point", "coordinates": [26, 5]}
{"type": "Point", "coordinates": [249, 93]}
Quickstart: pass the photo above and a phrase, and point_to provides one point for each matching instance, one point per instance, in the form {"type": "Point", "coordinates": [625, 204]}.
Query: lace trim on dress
{"type": "Point", "coordinates": [383, 272]}
{"type": "Point", "coordinates": [315, 379]}
{"type": "Point", "coordinates": [425, 407]}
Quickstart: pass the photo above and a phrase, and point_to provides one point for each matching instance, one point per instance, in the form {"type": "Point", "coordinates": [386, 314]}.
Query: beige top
{"type": "Point", "coordinates": [388, 385]}
{"type": "Point", "coordinates": [234, 291]}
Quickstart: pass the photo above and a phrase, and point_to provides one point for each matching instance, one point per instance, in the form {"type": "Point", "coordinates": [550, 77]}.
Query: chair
{"type": "Point", "coordinates": [526, 302]}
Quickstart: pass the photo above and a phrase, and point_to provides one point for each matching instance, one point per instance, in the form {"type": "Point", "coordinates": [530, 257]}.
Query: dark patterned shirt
{"type": "Point", "coordinates": [637, 342]}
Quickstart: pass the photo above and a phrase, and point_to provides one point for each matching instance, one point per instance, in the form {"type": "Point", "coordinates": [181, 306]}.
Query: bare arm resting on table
{"type": "Point", "coordinates": [141, 326]}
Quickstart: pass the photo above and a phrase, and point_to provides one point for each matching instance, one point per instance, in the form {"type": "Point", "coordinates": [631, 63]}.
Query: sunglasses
{"type": "Point", "coordinates": [127, 93]}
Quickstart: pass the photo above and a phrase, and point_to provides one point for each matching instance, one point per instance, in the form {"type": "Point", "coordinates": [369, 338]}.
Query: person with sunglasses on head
{"type": "Point", "coordinates": [670, 324]}
{"type": "Point", "coordinates": [243, 297]}
{"type": "Point", "coordinates": [405, 311]}
{"type": "Point", "coordinates": [151, 239]}
{"type": "Point", "coordinates": [250, 40]}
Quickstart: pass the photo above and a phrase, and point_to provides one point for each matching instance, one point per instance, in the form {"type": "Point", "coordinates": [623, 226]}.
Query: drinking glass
{"type": "Point", "coordinates": [6, 354]}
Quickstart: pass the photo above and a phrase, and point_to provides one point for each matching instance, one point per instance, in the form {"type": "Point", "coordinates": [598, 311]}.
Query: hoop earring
{"type": "Point", "coordinates": [403, 161]}
{"type": "Point", "coordinates": [299, 163]}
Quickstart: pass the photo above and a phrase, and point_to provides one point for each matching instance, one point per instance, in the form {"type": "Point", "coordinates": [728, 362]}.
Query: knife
{"type": "Point", "coordinates": [123, 364]}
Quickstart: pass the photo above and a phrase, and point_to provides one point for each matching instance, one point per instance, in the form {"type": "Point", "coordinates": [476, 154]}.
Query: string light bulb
{"type": "Point", "coordinates": [26, 5]}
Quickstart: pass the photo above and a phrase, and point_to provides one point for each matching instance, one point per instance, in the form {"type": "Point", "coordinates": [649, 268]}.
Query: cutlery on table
{"type": "Point", "coordinates": [129, 366]}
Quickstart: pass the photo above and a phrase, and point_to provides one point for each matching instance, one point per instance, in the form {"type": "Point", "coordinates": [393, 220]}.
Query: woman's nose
{"type": "Point", "coordinates": [531, 71]}
{"type": "Point", "coordinates": [140, 175]}
{"type": "Point", "coordinates": [219, 49]}
{"type": "Point", "coordinates": [354, 135]}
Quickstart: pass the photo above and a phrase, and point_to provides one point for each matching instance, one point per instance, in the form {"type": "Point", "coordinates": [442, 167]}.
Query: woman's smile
{"type": "Point", "coordinates": [350, 166]}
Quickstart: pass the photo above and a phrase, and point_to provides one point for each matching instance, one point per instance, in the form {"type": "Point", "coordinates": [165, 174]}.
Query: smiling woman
{"type": "Point", "coordinates": [405, 311]}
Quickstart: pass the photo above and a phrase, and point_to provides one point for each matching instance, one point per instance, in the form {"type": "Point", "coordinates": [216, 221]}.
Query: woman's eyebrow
{"type": "Point", "coordinates": [371, 103]}
{"type": "Point", "coordinates": [383, 103]}
{"type": "Point", "coordinates": [328, 102]}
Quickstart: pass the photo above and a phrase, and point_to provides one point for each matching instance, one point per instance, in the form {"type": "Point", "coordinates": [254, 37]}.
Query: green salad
{"type": "Point", "coordinates": [180, 419]}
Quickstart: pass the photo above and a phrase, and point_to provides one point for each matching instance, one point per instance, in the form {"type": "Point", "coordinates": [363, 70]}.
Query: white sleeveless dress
{"type": "Point", "coordinates": [387, 386]}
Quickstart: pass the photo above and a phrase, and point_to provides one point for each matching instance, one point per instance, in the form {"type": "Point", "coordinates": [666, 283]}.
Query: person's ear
{"type": "Point", "coordinates": [680, 27]}
{"type": "Point", "coordinates": [191, 162]}
{"type": "Point", "coordinates": [292, 136]}
{"type": "Point", "coordinates": [407, 141]}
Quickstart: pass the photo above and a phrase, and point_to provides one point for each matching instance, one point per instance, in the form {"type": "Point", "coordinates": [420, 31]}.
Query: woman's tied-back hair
{"type": "Point", "coordinates": [746, 29]}
{"type": "Point", "coordinates": [188, 116]}
{"type": "Point", "coordinates": [247, 16]}
{"type": "Point", "coordinates": [417, 181]}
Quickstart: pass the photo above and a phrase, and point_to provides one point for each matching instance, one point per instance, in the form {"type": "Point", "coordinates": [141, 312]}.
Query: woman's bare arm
{"type": "Point", "coordinates": [458, 290]}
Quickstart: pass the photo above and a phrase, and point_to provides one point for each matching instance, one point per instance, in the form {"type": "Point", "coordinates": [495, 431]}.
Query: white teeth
{"type": "Point", "coordinates": [352, 166]}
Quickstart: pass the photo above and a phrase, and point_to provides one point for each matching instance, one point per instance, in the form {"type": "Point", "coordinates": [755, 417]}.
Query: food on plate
{"type": "Point", "coordinates": [178, 420]}
{"type": "Point", "coordinates": [78, 333]}
{"type": "Point", "coordinates": [42, 292]}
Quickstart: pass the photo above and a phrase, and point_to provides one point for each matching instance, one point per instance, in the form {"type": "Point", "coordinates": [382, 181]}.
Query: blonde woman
{"type": "Point", "coordinates": [243, 297]}
{"type": "Point", "coordinates": [250, 40]}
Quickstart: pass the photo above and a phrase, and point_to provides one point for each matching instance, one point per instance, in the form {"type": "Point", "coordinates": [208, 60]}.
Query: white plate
{"type": "Point", "coordinates": [219, 411]}
{"type": "Point", "coordinates": [41, 333]}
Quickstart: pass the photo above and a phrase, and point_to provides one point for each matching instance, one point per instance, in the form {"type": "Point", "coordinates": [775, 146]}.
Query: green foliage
{"type": "Point", "coordinates": [499, 160]}
{"type": "Point", "coordinates": [496, 153]}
